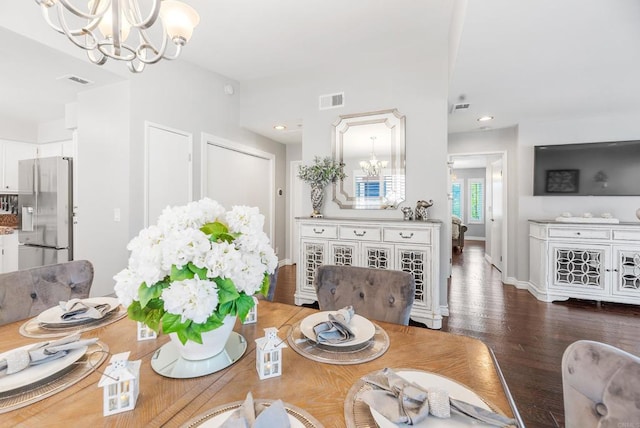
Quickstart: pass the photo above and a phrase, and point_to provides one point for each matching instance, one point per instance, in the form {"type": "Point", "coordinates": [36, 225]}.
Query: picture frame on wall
{"type": "Point", "coordinates": [562, 180]}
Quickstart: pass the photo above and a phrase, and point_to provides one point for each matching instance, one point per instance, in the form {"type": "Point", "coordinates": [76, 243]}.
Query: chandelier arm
{"type": "Point", "coordinates": [93, 14]}
{"type": "Point", "coordinates": [73, 35]}
{"type": "Point", "coordinates": [103, 47]}
{"type": "Point", "coordinates": [115, 27]}
{"type": "Point", "coordinates": [135, 16]}
{"type": "Point", "coordinates": [98, 60]}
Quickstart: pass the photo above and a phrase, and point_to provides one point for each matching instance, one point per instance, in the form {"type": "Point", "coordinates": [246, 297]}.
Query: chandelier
{"type": "Point", "coordinates": [373, 166]}
{"type": "Point", "coordinates": [102, 28]}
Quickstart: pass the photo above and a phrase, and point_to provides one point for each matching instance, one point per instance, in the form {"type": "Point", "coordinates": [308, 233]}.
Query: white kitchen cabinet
{"type": "Point", "coordinates": [59, 148]}
{"type": "Point", "coordinates": [9, 252]}
{"type": "Point", "coordinates": [12, 153]}
{"type": "Point", "coordinates": [382, 244]}
{"type": "Point", "coordinates": [587, 261]}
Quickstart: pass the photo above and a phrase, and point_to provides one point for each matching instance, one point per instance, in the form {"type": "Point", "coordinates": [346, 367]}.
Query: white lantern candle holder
{"type": "Point", "coordinates": [121, 381]}
{"type": "Point", "coordinates": [269, 354]}
{"type": "Point", "coordinates": [252, 316]}
{"type": "Point", "coordinates": [145, 333]}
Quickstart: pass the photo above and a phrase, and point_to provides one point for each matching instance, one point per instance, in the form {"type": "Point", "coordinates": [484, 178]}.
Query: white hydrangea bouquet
{"type": "Point", "coordinates": [199, 264]}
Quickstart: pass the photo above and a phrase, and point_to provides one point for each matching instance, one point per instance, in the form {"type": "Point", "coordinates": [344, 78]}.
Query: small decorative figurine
{"type": "Point", "coordinates": [269, 354]}
{"type": "Point", "coordinates": [421, 209]}
{"type": "Point", "coordinates": [145, 333]}
{"type": "Point", "coordinates": [252, 316]}
{"type": "Point", "coordinates": [120, 381]}
{"type": "Point", "coordinates": [408, 213]}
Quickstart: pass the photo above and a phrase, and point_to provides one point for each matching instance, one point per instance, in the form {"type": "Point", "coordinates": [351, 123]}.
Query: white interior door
{"type": "Point", "coordinates": [168, 170]}
{"type": "Point", "coordinates": [240, 175]}
{"type": "Point", "coordinates": [497, 213]}
{"type": "Point", "coordinates": [295, 194]}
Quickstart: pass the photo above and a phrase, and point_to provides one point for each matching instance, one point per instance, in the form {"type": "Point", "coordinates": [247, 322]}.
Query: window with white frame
{"type": "Point", "coordinates": [476, 192]}
{"type": "Point", "coordinates": [457, 198]}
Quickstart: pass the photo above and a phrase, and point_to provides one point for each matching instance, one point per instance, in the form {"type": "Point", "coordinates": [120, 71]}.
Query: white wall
{"type": "Point", "coordinates": [11, 129]}
{"type": "Point", "coordinates": [418, 89]}
{"type": "Point", "coordinates": [53, 131]}
{"type": "Point", "coordinates": [103, 182]}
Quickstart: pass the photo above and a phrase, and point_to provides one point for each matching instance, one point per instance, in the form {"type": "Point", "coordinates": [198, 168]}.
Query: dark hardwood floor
{"type": "Point", "coordinates": [527, 336]}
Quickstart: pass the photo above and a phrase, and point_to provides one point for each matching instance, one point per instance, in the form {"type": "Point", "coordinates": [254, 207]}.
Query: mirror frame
{"type": "Point", "coordinates": [395, 122]}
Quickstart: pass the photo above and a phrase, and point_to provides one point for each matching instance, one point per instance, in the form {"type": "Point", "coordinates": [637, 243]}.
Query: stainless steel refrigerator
{"type": "Point", "coordinates": [45, 205]}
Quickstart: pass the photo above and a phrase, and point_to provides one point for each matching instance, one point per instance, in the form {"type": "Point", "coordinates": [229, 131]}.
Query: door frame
{"type": "Point", "coordinates": [248, 150]}
{"type": "Point", "coordinates": [505, 205]}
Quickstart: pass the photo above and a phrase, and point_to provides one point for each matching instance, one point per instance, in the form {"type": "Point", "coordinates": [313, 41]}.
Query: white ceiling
{"type": "Point", "coordinates": [517, 61]}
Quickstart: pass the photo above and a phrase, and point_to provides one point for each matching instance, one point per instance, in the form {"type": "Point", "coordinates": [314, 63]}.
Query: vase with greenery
{"type": "Point", "coordinates": [198, 266]}
{"type": "Point", "coordinates": [322, 172]}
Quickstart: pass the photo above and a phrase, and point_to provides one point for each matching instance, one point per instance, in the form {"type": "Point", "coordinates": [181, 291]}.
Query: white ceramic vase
{"type": "Point", "coordinates": [213, 342]}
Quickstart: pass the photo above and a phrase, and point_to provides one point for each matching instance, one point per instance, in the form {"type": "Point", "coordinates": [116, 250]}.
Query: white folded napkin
{"type": "Point", "coordinates": [41, 353]}
{"type": "Point", "coordinates": [252, 415]}
{"type": "Point", "coordinates": [404, 402]}
{"type": "Point", "coordinates": [77, 309]}
{"type": "Point", "coordinates": [336, 329]}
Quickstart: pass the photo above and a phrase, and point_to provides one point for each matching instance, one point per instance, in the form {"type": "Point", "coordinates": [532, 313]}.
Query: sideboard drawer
{"type": "Point", "coordinates": [319, 231]}
{"type": "Point", "coordinates": [407, 236]}
{"type": "Point", "coordinates": [626, 235]}
{"type": "Point", "coordinates": [366, 233]}
{"type": "Point", "coordinates": [578, 233]}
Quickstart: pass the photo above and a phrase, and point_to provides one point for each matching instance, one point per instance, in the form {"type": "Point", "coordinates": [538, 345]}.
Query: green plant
{"type": "Point", "coordinates": [322, 172]}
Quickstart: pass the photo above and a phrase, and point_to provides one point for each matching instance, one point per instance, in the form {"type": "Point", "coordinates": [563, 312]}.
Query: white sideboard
{"type": "Point", "coordinates": [410, 246]}
{"type": "Point", "coordinates": [586, 261]}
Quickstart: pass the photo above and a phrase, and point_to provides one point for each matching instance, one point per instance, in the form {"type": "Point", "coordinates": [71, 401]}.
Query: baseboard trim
{"type": "Point", "coordinates": [284, 262]}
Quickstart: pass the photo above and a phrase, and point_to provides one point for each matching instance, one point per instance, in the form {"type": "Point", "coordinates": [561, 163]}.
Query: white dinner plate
{"type": "Point", "coordinates": [33, 374]}
{"type": "Point", "coordinates": [455, 390]}
{"type": "Point", "coordinates": [53, 316]}
{"type": "Point", "coordinates": [361, 327]}
{"type": "Point", "coordinates": [218, 420]}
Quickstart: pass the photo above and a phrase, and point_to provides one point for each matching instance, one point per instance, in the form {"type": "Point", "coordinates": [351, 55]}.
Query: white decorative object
{"type": "Point", "coordinates": [412, 247]}
{"type": "Point", "coordinates": [213, 342]}
{"type": "Point", "coordinates": [594, 261]}
{"type": "Point", "coordinates": [269, 354]}
{"type": "Point", "coordinates": [638, 213]}
{"type": "Point", "coordinates": [252, 316]}
{"type": "Point", "coordinates": [144, 332]}
{"type": "Point", "coordinates": [121, 383]}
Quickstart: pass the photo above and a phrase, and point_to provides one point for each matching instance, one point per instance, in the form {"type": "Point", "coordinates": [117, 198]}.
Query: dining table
{"type": "Point", "coordinates": [316, 387]}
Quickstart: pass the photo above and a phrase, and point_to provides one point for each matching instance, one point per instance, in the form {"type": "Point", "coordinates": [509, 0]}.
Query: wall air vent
{"type": "Point", "coordinates": [75, 79]}
{"type": "Point", "coordinates": [459, 107]}
{"type": "Point", "coordinates": [331, 101]}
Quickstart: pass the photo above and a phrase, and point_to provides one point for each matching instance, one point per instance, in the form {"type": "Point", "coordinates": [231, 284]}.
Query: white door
{"type": "Point", "coordinates": [168, 170]}
{"type": "Point", "coordinates": [240, 175]}
{"type": "Point", "coordinates": [496, 213]}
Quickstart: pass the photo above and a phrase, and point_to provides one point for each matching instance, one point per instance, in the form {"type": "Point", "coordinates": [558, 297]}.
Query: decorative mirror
{"type": "Point", "coordinates": [372, 148]}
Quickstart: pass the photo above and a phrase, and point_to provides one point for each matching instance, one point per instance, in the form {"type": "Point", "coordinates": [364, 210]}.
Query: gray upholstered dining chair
{"type": "Point", "coordinates": [601, 386]}
{"type": "Point", "coordinates": [383, 295]}
{"type": "Point", "coordinates": [26, 293]}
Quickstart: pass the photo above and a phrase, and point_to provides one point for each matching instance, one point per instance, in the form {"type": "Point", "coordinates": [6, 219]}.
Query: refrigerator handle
{"type": "Point", "coordinates": [27, 219]}
{"type": "Point", "coordinates": [36, 184]}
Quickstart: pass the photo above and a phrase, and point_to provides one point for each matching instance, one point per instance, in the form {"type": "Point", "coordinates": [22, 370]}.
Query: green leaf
{"type": "Point", "coordinates": [226, 290]}
{"type": "Point", "coordinates": [146, 294]}
{"type": "Point", "coordinates": [172, 323]}
{"type": "Point", "coordinates": [135, 312]}
{"type": "Point", "coordinates": [243, 305]}
{"type": "Point", "coordinates": [201, 272]}
{"type": "Point", "coordinates": [152, 319]}
{"type": "Point", "coordinates": [180, 274]}
{"type": "Point", "coordinates": [214, 229]}
{"type": "Point", "coordinates": [264, 289]}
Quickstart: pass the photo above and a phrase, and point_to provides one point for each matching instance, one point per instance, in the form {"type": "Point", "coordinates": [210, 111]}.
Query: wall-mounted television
{"type": "Point", "coordinates": [587, 169]}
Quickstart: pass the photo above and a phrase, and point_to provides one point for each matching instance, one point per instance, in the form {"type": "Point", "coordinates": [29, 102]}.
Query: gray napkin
{"type": "Point", "coordinates": [77, 309]}
{"type": "Point", "coordinates": [252, 415]}
{"type": "Point", "coordinates": [336, 329]}
{"type": "Point", "coordinates": [403, 402]}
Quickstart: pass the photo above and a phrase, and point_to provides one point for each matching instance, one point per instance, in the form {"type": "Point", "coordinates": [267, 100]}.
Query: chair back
{"type": "Point", "coordinates": [26, 293]}
{"type": "Point", "coordinates": [273, 281]}
{"type": "Point", "coordinates": [383, 295]}
{"type": "Point", "coordinates": [601, 386]}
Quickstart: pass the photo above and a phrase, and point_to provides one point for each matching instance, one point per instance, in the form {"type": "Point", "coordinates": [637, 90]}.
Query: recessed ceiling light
{"type": "Point", "coordinates": [279, 127]}
{"type": "Point", "coordinates": [485, 118]}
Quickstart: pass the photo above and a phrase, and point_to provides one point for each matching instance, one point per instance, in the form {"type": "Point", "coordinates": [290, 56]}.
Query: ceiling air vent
{"type": "Point", "coordinates": [459, 107]}
{"type": "Point", "coordinates": [75, 79]}
{"type": "Point", "coordinates": [331, 101]}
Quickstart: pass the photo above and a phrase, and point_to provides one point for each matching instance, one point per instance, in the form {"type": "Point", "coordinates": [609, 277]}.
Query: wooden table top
{"type": "Point", "coordinates": [318, 388]}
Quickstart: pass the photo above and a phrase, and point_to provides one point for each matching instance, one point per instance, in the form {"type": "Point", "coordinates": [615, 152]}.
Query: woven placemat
{"type": "Point", "coordinates": [33, 329]}
{"type": "Point", "coordinates": [368, 351]}
{"type": "Point", "coordinates": [301, 415]}
{"type": "Point", "coordinates": [92, 359]}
